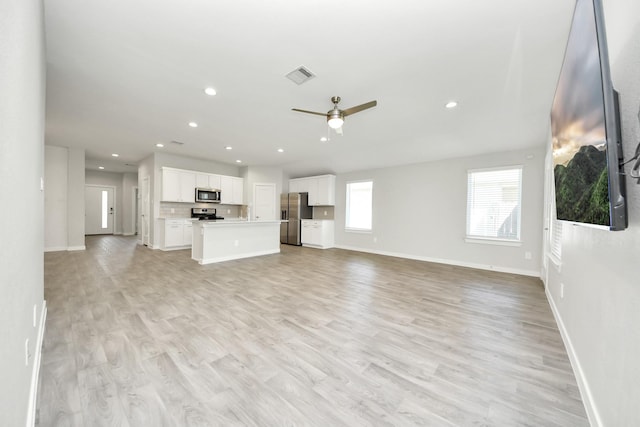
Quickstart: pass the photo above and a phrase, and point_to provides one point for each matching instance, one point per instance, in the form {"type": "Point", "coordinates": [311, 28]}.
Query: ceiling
{"type": "Point", "coordinates": [124, 75]}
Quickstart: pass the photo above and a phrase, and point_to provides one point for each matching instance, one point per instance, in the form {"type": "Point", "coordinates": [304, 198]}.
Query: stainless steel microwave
{"type": "Point", "coordinates": [207, 195]}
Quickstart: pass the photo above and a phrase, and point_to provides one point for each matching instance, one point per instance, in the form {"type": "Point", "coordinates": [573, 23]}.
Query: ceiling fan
{"type": "Point", "coordinates": [335, 117]}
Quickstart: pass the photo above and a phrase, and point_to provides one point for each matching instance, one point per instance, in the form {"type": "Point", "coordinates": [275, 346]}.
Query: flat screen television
{"type": "Point", "coordinates": [585, 127]}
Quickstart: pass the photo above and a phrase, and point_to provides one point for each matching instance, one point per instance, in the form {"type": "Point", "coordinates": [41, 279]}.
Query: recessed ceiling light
{"type": "Point", "coordinates": [115, 155]}
{"type": "Point", "coordinates": [159, 145]}
{"type": "Point", "coordinates": [451, 104]}
{"type": "Point", "coordinates": [210, 91]}
{"type": "Point", "coordinates": [323, 139]}
{"type": "Point", "coordinates": [280, 150]}
{"type": "Point", "coordinates": [228, 148]}
{"type": "Point", "coordinates": [100, 167]}
{"type": "Point", "coordinates": [238, 161]}
{"type": "Point", "coordinates": [193, 124]}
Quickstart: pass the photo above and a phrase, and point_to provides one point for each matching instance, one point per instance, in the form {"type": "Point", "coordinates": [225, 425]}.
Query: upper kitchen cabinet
{"type": "Point", "coordinates": [208, 180]}
{"type": "Point", "coordinates": [231, 190]}
{"type": "Point", "coordinates": [178, 185]}
{"type": "Point", "coordinates": [321, 189]}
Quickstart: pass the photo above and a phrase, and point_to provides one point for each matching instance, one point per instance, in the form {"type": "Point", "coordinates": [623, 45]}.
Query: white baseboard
{"type": "Point", "coordinates": [500, 269]}
{"type": "Point", "coordinates": [35, 372]}
{"type": "Point", "coordinates": [128, 234]}
{"type": "Point", "coordinates": [55, 249]}
{"type": "Point", "coordinates": [65, 248]}
{"type": "Point", "coordinates": [583, 384]}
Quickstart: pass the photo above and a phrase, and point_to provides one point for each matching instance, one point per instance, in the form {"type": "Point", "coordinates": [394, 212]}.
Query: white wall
{"type": "Point", "coordinates": [55, 198]}
{"type": "Point", "coordinates": [22, 89]}
{"type": "Point", "coordinates": [419, 211]}
{"type": "Point", "coordinates": [129, 181]}
{"type": "Point", "coordinates": [600, 270]}
{"type": "Point", "coordinates": [75, 199]}
{"type": "Point", "coordinates": [64, 198]}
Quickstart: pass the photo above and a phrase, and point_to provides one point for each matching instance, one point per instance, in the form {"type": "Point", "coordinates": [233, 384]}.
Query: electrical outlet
{"type": "Point", "coordinates": [325, 213]}
{"type": "Point", "coordinates": [228, 211]}
{"type": "Point", "coordinates": [375, 240]}
{"type": "Point", "coordinates": [173, 210]}
{"type": "Point", "coordinates": [527, 255]}
{"type": "Point", "coordinates": [236, 243]}
{"type": "Point", "coordinates": [561, 290]}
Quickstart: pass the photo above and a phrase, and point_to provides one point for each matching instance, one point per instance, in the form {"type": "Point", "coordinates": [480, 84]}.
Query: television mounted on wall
{"type": "Point", "coordinates": [585, 127]}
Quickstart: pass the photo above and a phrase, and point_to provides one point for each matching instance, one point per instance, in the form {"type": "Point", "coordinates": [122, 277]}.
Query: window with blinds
{"type": "Point", "coordinates": [494, 198]}
{"type": "Point", "coordinates": [359, 206]}
{"type": "Point", "coordinates": [555, 239]}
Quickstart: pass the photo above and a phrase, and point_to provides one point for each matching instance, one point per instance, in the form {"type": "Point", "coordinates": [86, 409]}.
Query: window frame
{"type": "Point", "coordinates": [472, 238]}
{"type": "Point", "coordinates": [347, 205]}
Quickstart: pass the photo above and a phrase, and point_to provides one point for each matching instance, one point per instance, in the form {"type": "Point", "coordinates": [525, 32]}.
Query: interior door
{"type": "Point", "coordinates": [146, 211]}
{"type": "Point", "coordinates": [264, 201]}
{"type": "Point", "coordinates": [99, 211]}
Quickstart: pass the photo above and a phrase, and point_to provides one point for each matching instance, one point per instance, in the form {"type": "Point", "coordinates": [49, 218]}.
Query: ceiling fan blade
{"type": "Point", "coordinates": [309, 112]}
{"type": "Point", "coordinates": [359, 108]}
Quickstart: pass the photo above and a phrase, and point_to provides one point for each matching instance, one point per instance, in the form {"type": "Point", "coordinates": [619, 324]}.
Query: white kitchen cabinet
{"type": "Point", "coordinates": [214, 181]}
{"type": "Point", "coordinates": [178, 185]}
{"type": "Point", "coordinates": [318, 233]}
{"type": "Point", "coordinates": [297, 186]}
{"type": "Point", "coordinates": [238, 191]}
{"type": "Point", "coordinates": [202, 180]}
{"type": "Point", "coordinates": [175, 233]}
{"type": "Point", "coordinates": [321, 189]}
{"type": "Point", "coordinates": [208, 180]}
{"type": "Point", "coordinates": [232, 190]}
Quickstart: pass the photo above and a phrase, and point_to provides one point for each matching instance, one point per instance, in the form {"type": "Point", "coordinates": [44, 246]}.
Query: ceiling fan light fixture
{"type": "Point", "coordinates": [335, 118]}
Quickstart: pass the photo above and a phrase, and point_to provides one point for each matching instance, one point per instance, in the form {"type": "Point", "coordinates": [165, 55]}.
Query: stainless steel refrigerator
{"type": "Point", "coordinates": [294, 207]}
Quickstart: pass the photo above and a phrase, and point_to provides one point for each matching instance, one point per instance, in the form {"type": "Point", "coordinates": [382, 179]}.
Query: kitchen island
{"type": "Point", "coordinates": [217, 241]}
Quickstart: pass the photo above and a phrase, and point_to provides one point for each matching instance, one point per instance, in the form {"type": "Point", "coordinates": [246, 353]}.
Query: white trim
{"type": "Point", "coordinates": [488, 267]}
{"type": "Point", "coordinates": [35, 373]}
{"type": "Point", "coordinates": [65, 248]}
{"type": "Point", "coordinates": [490, 241]}
{"type": "Point", "coordinates": [583, 384]}
{"type": "Point", "coordinates": [238, 256]}
{"type": "Point", "coordinates": [55, 249]}
{"type": "Point", "coordinates": [175, 248]}
{"type": "Point", "coordinates": [128, 234]}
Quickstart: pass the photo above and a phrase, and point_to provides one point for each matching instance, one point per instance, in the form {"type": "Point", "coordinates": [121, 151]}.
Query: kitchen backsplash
{"type": "Point", "coordinates": [323, 212]}
{"type": "Point", "coordinates": [183, 210]}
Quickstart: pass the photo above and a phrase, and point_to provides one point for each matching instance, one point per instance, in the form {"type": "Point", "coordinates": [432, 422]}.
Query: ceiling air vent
{"type": "Point", "coordinates": [300, 75]}
{"type": "Point", "coordinates": [177, 142]}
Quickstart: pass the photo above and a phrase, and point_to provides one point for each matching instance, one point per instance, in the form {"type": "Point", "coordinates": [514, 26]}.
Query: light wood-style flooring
{"type": "Point", "coordinates": [307, 337]}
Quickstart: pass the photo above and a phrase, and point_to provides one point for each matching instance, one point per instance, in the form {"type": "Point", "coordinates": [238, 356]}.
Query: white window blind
{"type": "Point", "coordinates": [359, 206]}
{"type": "Point", "coordinates": [494, 198]}
{"type": "Point", "coordinates": [555, 246]}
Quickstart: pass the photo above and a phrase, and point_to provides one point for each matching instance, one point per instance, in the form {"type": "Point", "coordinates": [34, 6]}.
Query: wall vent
{"type": "Point", "coordinates": [300, 75]}
{"type": "Point", "coordinates": [177, 142]}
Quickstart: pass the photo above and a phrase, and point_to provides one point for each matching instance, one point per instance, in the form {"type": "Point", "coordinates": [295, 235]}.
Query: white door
{"type": "Point", "coordinates": [145, 211]}
{"type": "Point", "coordinates": [99, 211]}
{"type": "Point", "coordinates": [264, 201]}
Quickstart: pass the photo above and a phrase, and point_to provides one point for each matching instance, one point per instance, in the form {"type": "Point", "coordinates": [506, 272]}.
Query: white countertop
{"type": "Point", "coordinates": [215, 223]}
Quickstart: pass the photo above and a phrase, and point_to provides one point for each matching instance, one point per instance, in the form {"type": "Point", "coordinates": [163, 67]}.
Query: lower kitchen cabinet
{"type": "Point", "coordinates": [175, 233]}
{"type": "Point", "coordinates": [317, 233]}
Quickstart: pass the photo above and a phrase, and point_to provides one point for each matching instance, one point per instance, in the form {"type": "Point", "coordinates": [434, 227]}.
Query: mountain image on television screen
{"type": "Point", "coordinates": [582, 190]}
